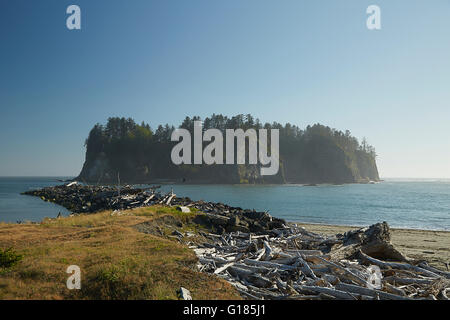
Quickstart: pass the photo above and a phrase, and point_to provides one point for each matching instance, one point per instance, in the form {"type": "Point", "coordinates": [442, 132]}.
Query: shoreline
{"type": "Point", "coordinates": [430, 245]}
{"type": "Point", "coordinates": [144, 239]}
{"type": "Point", "coordinates": [352, 227]}
{"type": "Point", "coordinates": [417, 244]}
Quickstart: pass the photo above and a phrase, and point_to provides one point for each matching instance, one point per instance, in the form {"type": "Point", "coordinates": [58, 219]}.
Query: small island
{"type": "Point", "coordinates": [123, 150]}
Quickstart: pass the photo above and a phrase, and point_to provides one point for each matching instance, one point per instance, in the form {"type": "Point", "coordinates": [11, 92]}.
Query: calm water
{"type": "Point", "coordinates": [423, 204]}
{"type": "Point", "coordinates": [14, 206]}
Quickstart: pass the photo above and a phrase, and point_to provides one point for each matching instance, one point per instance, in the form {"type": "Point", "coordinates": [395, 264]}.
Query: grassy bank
{"type": "Point", "coordinates": [126, 256]}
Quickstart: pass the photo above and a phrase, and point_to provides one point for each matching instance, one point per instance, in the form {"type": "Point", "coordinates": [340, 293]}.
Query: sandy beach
{"type": "Point", "coordinates": [432, 246]}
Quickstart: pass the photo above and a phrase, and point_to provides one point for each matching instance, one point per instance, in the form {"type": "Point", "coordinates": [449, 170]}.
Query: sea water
{"type": "Point", "coordinates": [403, 203]}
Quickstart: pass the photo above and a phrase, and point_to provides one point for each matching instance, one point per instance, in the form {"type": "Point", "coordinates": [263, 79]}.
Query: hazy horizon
{"type": "Point", "coordinates": [382, 178]}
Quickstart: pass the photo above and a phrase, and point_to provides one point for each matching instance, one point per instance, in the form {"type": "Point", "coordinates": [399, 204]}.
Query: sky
{"type": "Point", "coordinates": [302, 62]}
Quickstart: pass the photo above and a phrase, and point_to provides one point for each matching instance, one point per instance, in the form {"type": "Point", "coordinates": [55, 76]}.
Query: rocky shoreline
{"type": "Point", "coordinates": [79, 198]}
{"type": "Point", "coordinates": [266, 258]}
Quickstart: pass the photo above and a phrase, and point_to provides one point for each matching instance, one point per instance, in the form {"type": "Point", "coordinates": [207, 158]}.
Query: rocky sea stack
{"type": "Point", "coordinates": [123, 150]}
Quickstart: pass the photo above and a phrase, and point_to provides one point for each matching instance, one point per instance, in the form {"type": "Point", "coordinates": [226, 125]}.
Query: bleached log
{"type": "Point", "coordinates": [321, 271]}
{"type": "Point", "coordinates": [300, 231]}
{"type": "Point", "coordinates": [445, 293]}
{"type": "Point", "coordinates": [434, 270]}
{"type": "Point", "coordinates": [184, 294]}
{"type": "Point", "coordinates": [288, 261]}
{"type": "Point", "coordinates": [259, 281]}
{"type": "Point", "coordinates": [304, 267]}
{"type": "Point", "coordinates": [162, 200]}
{"type": "Point", "coordinates": [237, 271]}
{"type": "Point", "coordinates": [241, 235]}
{"type": "Point", "coordinates": [331, 278]}
{"type": "Point", "coordinates": [248, 295]}
{"type": "Point", "coordinates": [268, 252]}
{"type": "Point", "coordinates": [343, 252]}
{"type": "Point", "coordinates": [368, 292]}
{"type": "Point", "coordinates": [263, 236]}
{"type": "Point", "coordinates": [204, 260]}
{"type": "Point", "coordinates": [170, 199]}
{"type": "Point", "coordinates": [263, 293]}
{"type": "Point", "coordinates": [259, 254]}
{"type": "Point", "coordinates": [238, 257]}
{"type": "Point", "coordinates": [314, 259]}
{"type": "Point", "coordinates": [149, 198]}
{"type": "Point", "coordinates": [394, 290]}
{"type": "Point", "coordinates": [203, 251]}
{"type": "Point", "coordinates": [281, 284]}
{"type": "Point", "coordinates": [398, 280]}
{"type": "Point", "coordinates": [223, 268]}
{"type": "Point", "coordinates": [329, 241]}
{"type": "Point", "coordinates": [184, 209]}
{"type": "Point", "coordinates": [304, 297]}
{"type": "Point", "coordinates": [254, 269]}
{"type": "Point", "coordinates": [305, 252]}
{"type": "Point", "coordinates": [269, 264]}
{"type": "Point", "coordinates": [319, 266]}
{"type": "Point", "coordinates": [322, 282]}
{"type": "Point", "coordinates": [282, 254]}
{"type": "Point", "coordinates": [347, 272]}
{"type": "Point", "coordinates": [225, 241]}
{"type": "Point", "coordinates": [329, 291]}
{"type": "Point", "coordinates": [238, 285]}
{"type": "Point", "coordinates": [397, 265]}
{"type": "Point", "coordinates": [219, 260]}
{"type": "Point", "coordinates": [211, 235]}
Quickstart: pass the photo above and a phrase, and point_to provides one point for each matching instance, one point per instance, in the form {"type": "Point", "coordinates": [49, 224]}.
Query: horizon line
{"type": "Point", "coordinates": [74, 176]}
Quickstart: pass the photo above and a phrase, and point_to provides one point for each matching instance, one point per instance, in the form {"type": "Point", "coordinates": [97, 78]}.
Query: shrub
{"type": "Point", "coordinates": [9, 258]}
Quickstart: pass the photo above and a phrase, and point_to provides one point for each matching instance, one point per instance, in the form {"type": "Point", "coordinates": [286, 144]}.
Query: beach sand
{"type": "Point", "coordinates": [432, 246]}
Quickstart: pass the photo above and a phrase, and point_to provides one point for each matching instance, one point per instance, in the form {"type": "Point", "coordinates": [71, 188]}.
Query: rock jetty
{"type": "Point", "coordinates": [79, 198]}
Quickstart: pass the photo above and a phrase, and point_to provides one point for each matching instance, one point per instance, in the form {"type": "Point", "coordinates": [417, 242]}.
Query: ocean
{"type": "Point", "coordinates": [403, 203]}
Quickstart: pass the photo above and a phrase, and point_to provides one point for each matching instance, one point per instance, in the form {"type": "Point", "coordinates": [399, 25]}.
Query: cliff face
{"type": "Point", "coordinates": [101, 171]}
{"type": "Point", "coordinates": [135, 154]}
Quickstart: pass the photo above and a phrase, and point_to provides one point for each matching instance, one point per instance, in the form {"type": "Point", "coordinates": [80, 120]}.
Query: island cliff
{"type": "Point", "coordinates": [135, 153]}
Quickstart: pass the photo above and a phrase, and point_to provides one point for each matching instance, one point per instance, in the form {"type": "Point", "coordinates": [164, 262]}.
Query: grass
{"type": "Point", "coordinates": [117, 261]}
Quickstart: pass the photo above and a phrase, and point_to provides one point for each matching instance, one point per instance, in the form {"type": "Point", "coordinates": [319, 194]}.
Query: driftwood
{"type": "Point", "coordinates": [396, 265]}
{"type": "Point", "coordinates": [184, 294]}
{"type": "Point", "coordinates": [369, 292]}
{"type": "Point", "coordinates": [266, 258]}
{"type": "Point", "coordinates": [375, 242]}
{"type": "Point", "coordinates": [425, 266]}
{"type": "Point", "coordinates": [292, 263]}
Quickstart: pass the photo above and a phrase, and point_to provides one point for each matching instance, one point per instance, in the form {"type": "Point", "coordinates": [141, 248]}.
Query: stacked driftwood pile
{"type": "Point", "coordinates": [292, 263]}
{"type": "Point", "coordinates": [87, 199]}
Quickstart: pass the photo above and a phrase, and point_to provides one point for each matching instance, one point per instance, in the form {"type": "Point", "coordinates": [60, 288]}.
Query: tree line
{"type": "Point", "coordinates": [315, 154]}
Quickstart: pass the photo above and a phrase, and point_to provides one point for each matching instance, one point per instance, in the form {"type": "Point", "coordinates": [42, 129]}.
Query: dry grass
{"type": "Point", "coordinates": [116, 260]}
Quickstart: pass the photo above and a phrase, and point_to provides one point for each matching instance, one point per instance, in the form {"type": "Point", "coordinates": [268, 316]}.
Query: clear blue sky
{"type": "Point", "coordinates": [288, 61]}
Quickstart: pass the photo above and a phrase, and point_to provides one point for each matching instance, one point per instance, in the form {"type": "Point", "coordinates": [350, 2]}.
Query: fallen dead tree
{"type": "Point", "coordinates": [293, 263]}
